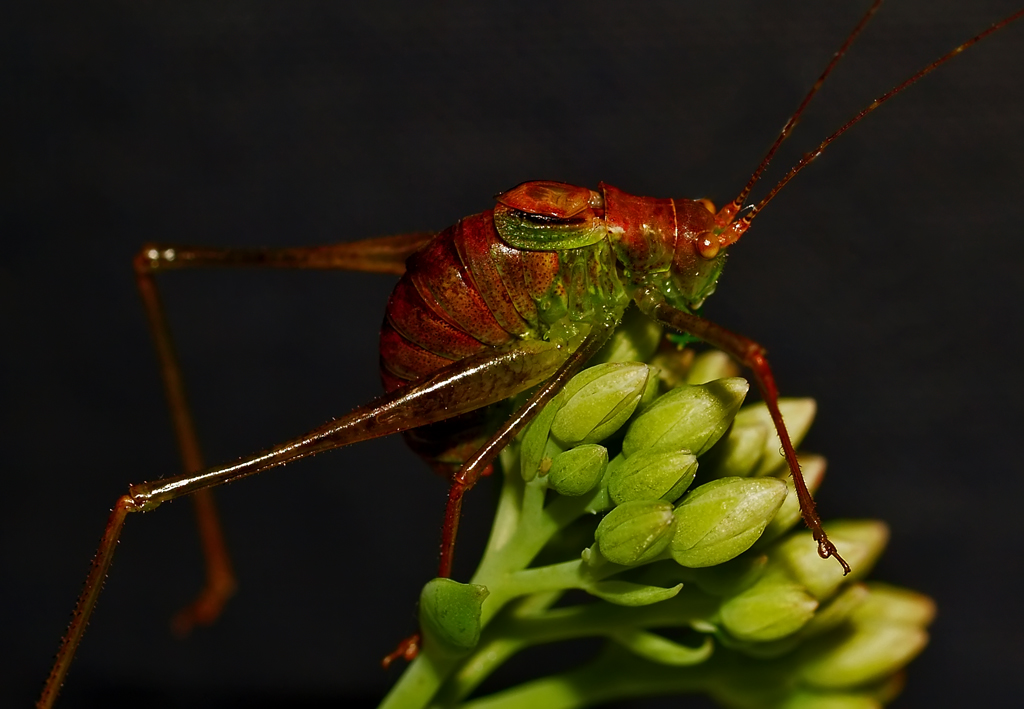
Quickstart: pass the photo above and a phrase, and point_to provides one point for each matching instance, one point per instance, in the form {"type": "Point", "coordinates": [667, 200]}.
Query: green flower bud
{"type": "Point", "coordinates": [537, 449]}
{"type": "Point", "coordinates": [577, 471]}
{"type": "Point", "coordinates": [798, 415]}
{"type": "Point", "coordinates": [815, 700]}
{"type": "Point", "coordinates": [721, 519]}
{"type": "Point", "coordinates": [597, 401]}
{"type": "Point", "coordinates": [450, 615]}
{"type": "Point", "coordinates": [673, 366]}
{"type": "Point", "coordinates": [813, 468]}
{"type": "Point", "coordinates": [689, 418]}
{"type": "Point", "coordinates": [652, 476]}
{"type": "Point", "coordinates": [737, 454]}
{"type": "Point", "coordinates": [636, 339]}
{"type": "Point", "coordinates": [867, 654]}
{"type": "Point", "coordinates": [885, 632]}
{"type": "Point", "coordinates": [636, 532]}
{"type": "Point", "coordinates": [889, 604]}
{"type": "Point", "coordinates": [772, 608]}
{"type": "Point", "coordinates": [860, 543]}
{"type": "Point", "coordinates": [837, 611]}
{"type": "Point", "coordinates": [709, 366]}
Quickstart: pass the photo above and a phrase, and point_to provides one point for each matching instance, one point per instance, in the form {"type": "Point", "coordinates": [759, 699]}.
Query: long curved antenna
{"type": "Point", "coordinates": [740, 225]}
{"type": "Point", "coordinates": [737, 204]}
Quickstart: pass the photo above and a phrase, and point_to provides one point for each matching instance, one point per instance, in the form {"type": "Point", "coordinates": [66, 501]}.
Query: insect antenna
{"type": "Point", "coordinates": [737, 204]}
{"type": "Point", "coordinates": [738, 225]}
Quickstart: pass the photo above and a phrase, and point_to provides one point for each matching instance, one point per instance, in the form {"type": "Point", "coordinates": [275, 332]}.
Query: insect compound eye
{"type": "Point", "coordinates": [708, 245]}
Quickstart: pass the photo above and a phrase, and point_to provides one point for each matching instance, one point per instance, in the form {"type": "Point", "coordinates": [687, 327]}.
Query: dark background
{"type": "Point", "coordinates": [885, 281]}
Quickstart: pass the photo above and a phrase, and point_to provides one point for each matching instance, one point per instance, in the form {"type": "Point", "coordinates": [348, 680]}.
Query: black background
{"type": "Point", "coordinates": [885, 282]}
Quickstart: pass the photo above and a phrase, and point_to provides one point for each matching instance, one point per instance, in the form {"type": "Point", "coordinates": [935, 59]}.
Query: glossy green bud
{"type": "Point", "coordinates": [798, 415]}
{"type": "Point", "coordinates": [450, 615]}
{"type": "Point", "coordinates": [860, 543]}
{"type": "Point", "coordinates": [597, 401]}
{"type": "Point", "coordinates": [636, 532]}
{"type": "Point", "coordinates": [772, 608]}
{"type": "Point", "coordinates": [652, 476]}
{"type": "Point", "coordinates": [578, 471]}
{"type": "Point", "coordinates": [689, 418]}
{"type": "Point", "coordinates": [721, 519]}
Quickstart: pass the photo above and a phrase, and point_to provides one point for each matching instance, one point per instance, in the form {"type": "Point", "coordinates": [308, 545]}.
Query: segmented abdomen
{"type": "Point", "coordinates": [464, 292]}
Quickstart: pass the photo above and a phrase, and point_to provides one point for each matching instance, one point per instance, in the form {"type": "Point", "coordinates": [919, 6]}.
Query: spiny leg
{"type": "Point", "coordinates": [463, 386]}
{"type": "Point", "coordinates": [752, 355]}
{"type": "Point", "coordinates": [86, 602]}
{"type": "Point", "coordinates": [380, 255]}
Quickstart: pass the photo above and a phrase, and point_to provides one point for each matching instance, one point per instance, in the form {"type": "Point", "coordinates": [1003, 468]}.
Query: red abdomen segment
{"type": "Point", "coordinates": [463, 292]}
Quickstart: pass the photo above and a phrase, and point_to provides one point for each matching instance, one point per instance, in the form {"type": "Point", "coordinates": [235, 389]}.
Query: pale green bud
{"type": "Point", "coordinates": [886, 631]}
{"type": "Point", "coordinates": [450, 615]}
{"type": "Point", "coordinates": [636, 532]}
{"type": "Point", "coordinates": [798, 415]}
{"type": "Point", "coordinates": [597, 401]}
{"type": "Point", "coordinates": [772, 608]}
{"type": "Point", "coordinates": [721, 519]}
{"type": "Point", "coordinates": [709, 366]}
{"type": "Point", "coordinates": [860, 543]}
{"type": "Point", "coordinates": [652, 476]}
{"type": "Point", "coordinates": [814, 700]}
{"type": "Point", "coordinates": [738, 454]}
{"type": "Point", "coordinates": [837, 611]}
{"type": "Point", "coordinates": [578, 470]}
{"type": "Point", "coordinates": [636, 339]}
{"type": "Point", "coordinates": [867, 654]}
{"type": "Point", "coordinates": [689, 418]}
{"type": "Point", "coordinates": [889, 604]}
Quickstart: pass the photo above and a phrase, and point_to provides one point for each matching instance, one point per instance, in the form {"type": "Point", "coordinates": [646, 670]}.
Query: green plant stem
{"type": "Point", "coordinates": [525, 625]}
{"type": "Point", "coordinates": [521, 528]}
{"type": "Point", "coordinates": [420, 681]}
{"type": "Point", "coordinates": [612, 676]}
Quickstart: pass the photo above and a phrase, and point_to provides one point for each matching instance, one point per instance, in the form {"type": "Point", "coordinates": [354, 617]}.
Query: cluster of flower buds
{"type": "Point", "coordinates": [700, 582]}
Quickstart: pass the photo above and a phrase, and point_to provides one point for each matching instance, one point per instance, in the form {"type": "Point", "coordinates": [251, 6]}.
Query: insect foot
{"type": "Point", "coordinates": [675, 512]}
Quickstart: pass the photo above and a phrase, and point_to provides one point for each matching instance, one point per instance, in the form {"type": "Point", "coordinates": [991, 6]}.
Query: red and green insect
{"type": "Point", "coordinates": [503, 301]}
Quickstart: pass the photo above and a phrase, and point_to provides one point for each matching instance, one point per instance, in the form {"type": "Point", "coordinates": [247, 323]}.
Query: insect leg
{"type": "Point", "coordinates": [752, 355]}
{"type": "Point", "coordinates": [463, 386]}
{"type": "Point", "coordinates": [380, 255]}
{"type": "Point", "coordinates": [384, 254]}
{"type": "Point", "coordinates": [474, 468]}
